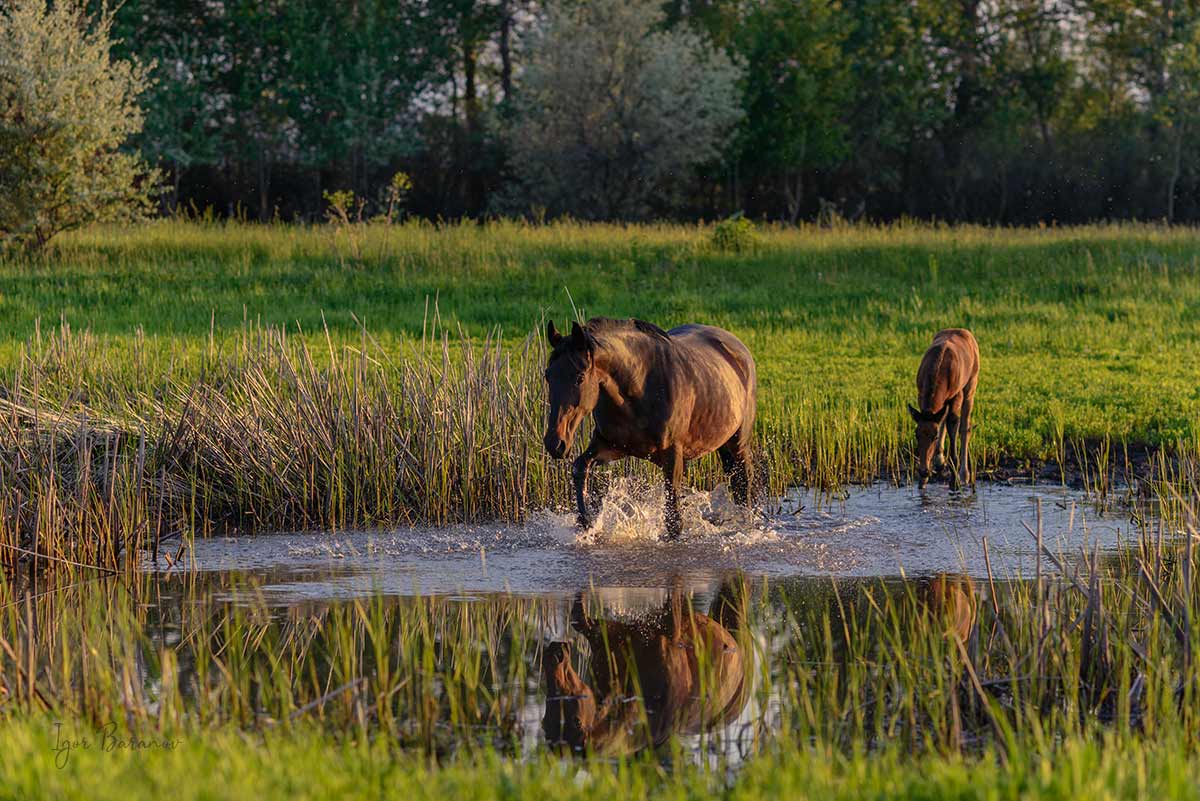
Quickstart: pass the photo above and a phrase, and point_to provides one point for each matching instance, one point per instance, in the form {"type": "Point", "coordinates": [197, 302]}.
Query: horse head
{"type": "Point", "coordinates": [574, 385]}
{"type": "Point", "coordinates": [929, 454]}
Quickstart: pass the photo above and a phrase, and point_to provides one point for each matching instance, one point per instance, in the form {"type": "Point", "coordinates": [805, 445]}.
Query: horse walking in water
{"type": "Point", "coordinates": [946, 391]}
{"type": "Point", "coordinates": [665, 396]}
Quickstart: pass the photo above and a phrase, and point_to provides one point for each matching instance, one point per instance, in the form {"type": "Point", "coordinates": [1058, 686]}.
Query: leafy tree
{"type": "Point", "coordinates": [614, 112]}
{"type": "Point", "coordinates": [66, 107]}
{"type": "Point", "coordinates": [182, 127]}
{"type": "Point", "coordinates": [798, 86]}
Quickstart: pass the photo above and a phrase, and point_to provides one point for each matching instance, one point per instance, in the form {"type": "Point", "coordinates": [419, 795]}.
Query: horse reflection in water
{"type": "Point", "coordinates": [671, 672]}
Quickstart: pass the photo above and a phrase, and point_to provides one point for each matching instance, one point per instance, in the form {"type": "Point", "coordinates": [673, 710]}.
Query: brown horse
{"type": "Point", "coordinates": [946, 392]}
{"type": "Point", "coordinates": [686, 667]}
{"type": "Point", "coordinates": [665, 396]}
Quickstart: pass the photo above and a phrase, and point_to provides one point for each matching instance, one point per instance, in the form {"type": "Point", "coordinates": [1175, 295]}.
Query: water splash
{"type": "Point", "coordinates": [633, 511]}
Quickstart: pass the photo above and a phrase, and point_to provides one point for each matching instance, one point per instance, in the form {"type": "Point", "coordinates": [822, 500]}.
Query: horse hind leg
{"type": "Point", "coordinates": [964, 436]}
{"type": "Point", "coordinates": [739, 468]}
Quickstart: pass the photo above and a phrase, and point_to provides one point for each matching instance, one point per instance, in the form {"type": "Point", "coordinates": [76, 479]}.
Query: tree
{"type": "Point", "coordinates": [66, 107]}
{"type": "Point", "coordinates": [798, 86]}
{"type": "Point", "coordinates": [614, 112]}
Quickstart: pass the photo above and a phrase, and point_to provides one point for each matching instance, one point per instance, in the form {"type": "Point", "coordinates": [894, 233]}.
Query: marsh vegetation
{"type": "Point", "coordinates": [202, 379]}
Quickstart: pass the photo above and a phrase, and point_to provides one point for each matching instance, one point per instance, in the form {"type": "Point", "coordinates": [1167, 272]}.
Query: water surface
{"type": "Point", "coordinates": [879, 531]}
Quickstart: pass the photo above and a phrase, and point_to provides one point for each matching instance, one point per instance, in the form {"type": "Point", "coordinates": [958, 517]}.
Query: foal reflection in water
{"type": "Point", "coordinates": [675, 671]}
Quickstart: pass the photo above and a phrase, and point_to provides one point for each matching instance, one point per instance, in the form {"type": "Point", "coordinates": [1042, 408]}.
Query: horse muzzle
{"type": "Point", "coordinates": [556, 446]}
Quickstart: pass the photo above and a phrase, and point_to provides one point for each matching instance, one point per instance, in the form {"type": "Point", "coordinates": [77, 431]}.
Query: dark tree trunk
{"type": "Point", "coordinates": [1173, 179]}
{"type": "Point", "coordinates": [471, 116]}
{"type": "Point", "coordinates": [505, 48]}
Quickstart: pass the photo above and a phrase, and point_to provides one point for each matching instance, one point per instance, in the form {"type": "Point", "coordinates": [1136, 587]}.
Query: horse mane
{"type": "Point", "coordinates": [600, 325]}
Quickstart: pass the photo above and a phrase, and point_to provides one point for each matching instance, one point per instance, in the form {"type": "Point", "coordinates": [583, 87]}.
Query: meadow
{"type": "Point", "coordinates": [186, 378]}
{"type": "Point", "coordinates": [1086, 332]}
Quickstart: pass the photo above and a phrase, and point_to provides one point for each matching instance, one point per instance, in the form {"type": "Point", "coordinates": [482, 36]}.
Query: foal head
{"type": "Point", "coordinates": [574, 385]}
{"type": "Point", "coordinates": [929, 452]}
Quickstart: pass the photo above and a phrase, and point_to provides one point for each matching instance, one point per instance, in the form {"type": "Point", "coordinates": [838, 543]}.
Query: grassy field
{"type": "Point", "coordinates": [177, 377]}
{"type": "Point", "coordinates": [310, 766]}
{"type": "Point", "coordinates": [1084, 687]}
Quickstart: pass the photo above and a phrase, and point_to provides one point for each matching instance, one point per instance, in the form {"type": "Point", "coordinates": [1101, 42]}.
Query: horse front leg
{"type": "Point", "coordinates": [672, 467]}
{"type": "Point", "coordinates": [598, 452]}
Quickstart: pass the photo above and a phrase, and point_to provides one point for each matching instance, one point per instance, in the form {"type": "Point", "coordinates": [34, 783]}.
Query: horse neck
{"type": "Point", "coordinates": [933, 393]}
{"type": "Point", "coordinates": [626, 358]}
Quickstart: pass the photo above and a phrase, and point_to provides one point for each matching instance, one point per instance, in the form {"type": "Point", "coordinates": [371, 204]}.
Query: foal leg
{"type": "Point", "coordinates": [952, 423]}
{"type": "Point", "coordinates": [598, 452]}
{"type": "Point", "coordinates": [672, 467]}
{"type": "Point", "coordinates": [964, 435]}
{"type": "Point", "coordinates": [735, 459]}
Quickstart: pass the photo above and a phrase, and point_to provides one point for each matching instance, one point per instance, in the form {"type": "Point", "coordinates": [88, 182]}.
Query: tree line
{"type": "Point", "coordinates": [1004, 111]}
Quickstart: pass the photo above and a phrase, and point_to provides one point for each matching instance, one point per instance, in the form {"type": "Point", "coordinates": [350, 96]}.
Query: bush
{"type": "Point", "coordinates": [734, 235]}
{"type": "Point", "coordinates": [66, 107]}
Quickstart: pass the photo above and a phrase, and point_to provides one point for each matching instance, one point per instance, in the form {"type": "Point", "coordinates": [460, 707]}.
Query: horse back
{"type": "Point", "coordinates": [948, 366]}
{"type": "Point", "coordinates": [707, 341]}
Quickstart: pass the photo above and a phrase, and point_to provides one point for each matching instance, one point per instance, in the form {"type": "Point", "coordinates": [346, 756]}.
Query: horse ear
{"type": "Point", "coordinates": [582, 339]}
{"type": "Point", "coordinates": [916, 415]}
{"type": "Point", "coordinates": [552, 335]}
{"type": "Point", "coordinates": [940, 416]}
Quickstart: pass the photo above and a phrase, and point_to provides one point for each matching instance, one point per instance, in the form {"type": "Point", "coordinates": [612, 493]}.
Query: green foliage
{"type": "Point", "coordinates": [66, 107]}
{"type": "Point", "coordinates": [734, 235]}
{"type": "Point", "coordinates": [615, 112]}
{"type": "Point", "coordinates": [1101, 318]}
{"type": "Point", "coordinates": [798, 81]}
{"type": "Point", "coordinates": [344, 208]}
{"type": "Point", "coordinates": [395, 195]}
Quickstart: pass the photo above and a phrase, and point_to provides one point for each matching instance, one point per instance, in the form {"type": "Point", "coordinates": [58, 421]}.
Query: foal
{"type": "Point", "coordinates": [946, 392]}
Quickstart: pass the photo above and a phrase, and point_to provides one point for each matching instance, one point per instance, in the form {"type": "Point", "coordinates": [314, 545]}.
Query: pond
{"type": "Point", "coordinates": [505, 634]}
{"type": "Point", "coordinates": [879, 531]}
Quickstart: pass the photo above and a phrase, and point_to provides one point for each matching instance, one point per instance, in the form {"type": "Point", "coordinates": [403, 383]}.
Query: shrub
{"type": "Point", "coordinates": [66, 107]}
{"type": "Point", "coordinates": [734, 235]}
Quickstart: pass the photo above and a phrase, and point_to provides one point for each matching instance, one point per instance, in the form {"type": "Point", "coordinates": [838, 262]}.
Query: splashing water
{"type": "Point", "coordinates": [867, 531]}
{"type": "Point", "coordinates": [634, 511]}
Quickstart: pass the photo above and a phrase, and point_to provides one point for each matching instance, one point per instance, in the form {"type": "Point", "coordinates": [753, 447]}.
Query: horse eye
{"type": "Point", "coordinates": [579, 379]}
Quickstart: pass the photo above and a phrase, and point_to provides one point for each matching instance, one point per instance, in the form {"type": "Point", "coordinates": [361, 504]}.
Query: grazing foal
{"type": "Point", "coordinates": [946, 392]}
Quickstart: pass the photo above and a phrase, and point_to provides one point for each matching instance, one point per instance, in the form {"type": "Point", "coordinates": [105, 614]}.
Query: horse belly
{"type": "Point", "coordinates": [714, 422]}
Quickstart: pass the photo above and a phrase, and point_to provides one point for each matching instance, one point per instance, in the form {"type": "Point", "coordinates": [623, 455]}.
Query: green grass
{"type": "Point", "coordinates": [312, 765]}
{"type": "Point", "coordinates": [1086, 333]}
{"type": "Point", "coordinates": [181, 378]}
